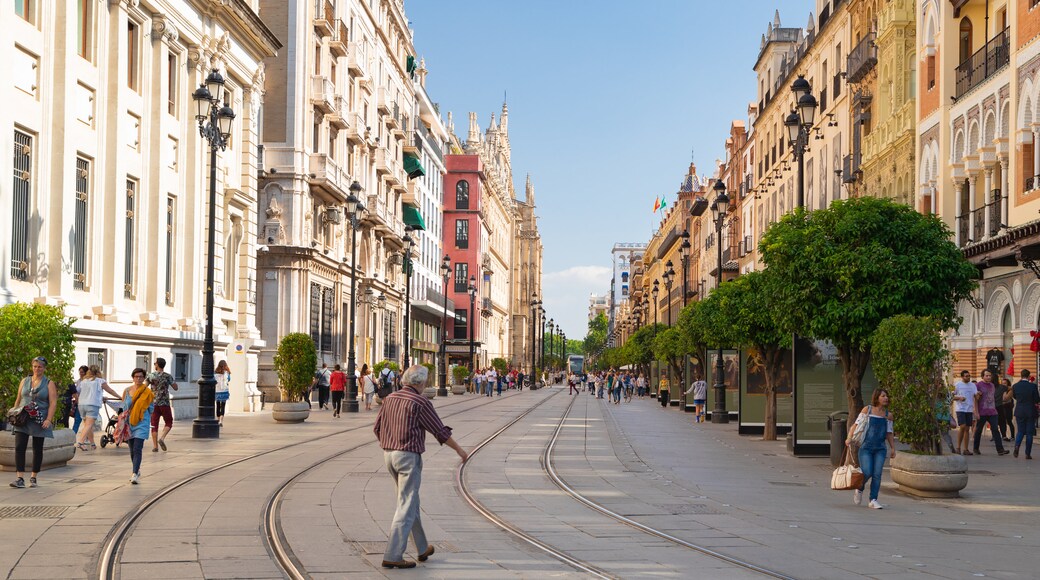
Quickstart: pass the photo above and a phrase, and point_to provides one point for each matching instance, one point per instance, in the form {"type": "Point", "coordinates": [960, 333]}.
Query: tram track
{"type": "Point", "coordinates": [108, 562]}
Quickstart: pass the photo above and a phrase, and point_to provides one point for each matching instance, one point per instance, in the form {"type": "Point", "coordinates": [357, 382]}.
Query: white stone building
{"type": "Point", "coordinates": [108, 207]}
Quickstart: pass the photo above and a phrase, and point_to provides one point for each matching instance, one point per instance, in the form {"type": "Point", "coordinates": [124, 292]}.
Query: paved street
{"type": "Point", "coordinates": [735, 495]}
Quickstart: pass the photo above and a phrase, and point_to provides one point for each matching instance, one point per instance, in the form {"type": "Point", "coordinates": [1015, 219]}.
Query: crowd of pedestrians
{"type": "Point", "coordinates": [1010, 412]}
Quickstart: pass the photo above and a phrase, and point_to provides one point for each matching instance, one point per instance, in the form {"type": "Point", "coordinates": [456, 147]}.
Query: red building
{"type": "Point", "coordinates": [462, 243]}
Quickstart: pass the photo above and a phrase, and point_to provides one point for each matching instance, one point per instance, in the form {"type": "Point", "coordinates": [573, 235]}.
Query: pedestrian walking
{"type": "Point", "coordinates": [1005, 409]}
{"type": "Point", "coordinates": [90, 398]}
{"type": "Point", "coordinates": [641, 386]}
{"type": "Point", "coordinates": [987, 413]}
{"type": "Point", "coordinates": [40, 394]}
{"type": "Point", "coordinates": [337, 386]}
{"type": "Point", "coordinates": [368, 386]}
{"type": "Point", "coordinates": [320, 383]}
{"type": "Point", "coordinates": [873, 451]}
{"type": "Point", "coordinates": [223, 376]}
{"type": "Point", "coordinates": [138, 404]}
{"type": "Point", "coordinates": [1027, 403]}
{"type": "Point", "coordinates": [572, 388]}
{"type": "Point", "coordinates": [628, 387]}
{"type": "Point", "coordinates": [944, 418]}
{"type": "Point", "coordinates": [499, 379]}
{"type": "Point", "coordinates": [964, 393]}
{"type": "Point", "coordinates": [161, 382]}
{"type": "Point", "coordinates": [489, 380]}
{"type": "Point", "coordinates": [401, 426]}
{"type": "Point", "coordinates": [699, 388]}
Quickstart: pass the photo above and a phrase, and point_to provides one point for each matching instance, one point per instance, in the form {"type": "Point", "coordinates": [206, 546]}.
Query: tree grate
{"type": "Point", "coordinates": [33, 511]}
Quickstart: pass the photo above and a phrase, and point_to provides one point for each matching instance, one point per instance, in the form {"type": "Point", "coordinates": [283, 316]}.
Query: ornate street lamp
{"type": "Point", "coordinates": [472, 321]}
{"type": "Point", "coordinates": [535, 303]}
{"type": "Point", "coordinates": [719, 207]}
{"type": "Point", "coordinates": [552, 343]}
{"type": "Point", "coordinates": [684, 258]}
{"type": "Point", "coordinates": [215, 127]}
{"type": "Point", "coordinates": [442, 390]}
{"type": "Point", "coordinates": [799, 123]}
{"type": "Point", "coordinates": [355, 209]}
{"type": "Point", "coordinates": [409, 245]}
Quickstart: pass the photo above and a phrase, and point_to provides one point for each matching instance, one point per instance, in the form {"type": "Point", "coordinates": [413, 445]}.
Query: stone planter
{"type": "Point", "coordinates": [430, 392]}
{"type": "Point", "coordinates": [930, 475]}
{"type": "Point", "coordinates": [56, 451]}
{"type": "Point", "coordinates": [290, 412]}
{"type": "Point", "coordinates": [458, 389]}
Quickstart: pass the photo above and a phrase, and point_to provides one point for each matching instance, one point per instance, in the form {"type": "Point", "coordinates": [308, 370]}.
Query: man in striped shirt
{"type": "Point", "coordinates": [401, 426]}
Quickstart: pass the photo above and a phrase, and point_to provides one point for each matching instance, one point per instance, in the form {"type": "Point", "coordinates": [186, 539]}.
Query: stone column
{"type": "Point", "coordinates": [958, 192]}
{"type": "Point", "coordinates": [1036, 156]}
{"type": "Point", "coordinates": [986, 202]}
{"type": "Point", "coordinates": [1005, 187]}
{"type": "Point", "coordinates": [972, 185]}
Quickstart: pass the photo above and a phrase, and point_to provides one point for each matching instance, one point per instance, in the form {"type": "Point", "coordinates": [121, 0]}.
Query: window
{"type": "Point", "coordinates": [170, 250]}
{"type": "Point", "coordinates": [462, 195]}
{"type": "Point", "coordinates": [321, 317]}
{"type": "Point", "coordinates": [462, 234]}
{"type": "Point", "coordinates": [316, 316]}
{"type": "Point", "coordinates": [180, 366]}
{"type": "Point", "coordinates": [79, 233]}
{"type": "Point", "coordinates": [133, 56]}
{"type": "Point", "coordinates": [461, 326]}
{"type": "Point", "coordinates": [25, 9]}
{"type": "Point", "coordinates": [96, 356]}
{"type": "Point", "coordinates": [85, 28]}
{"type": "Point", "coordinates": [143, 360]}
{"type": "Point", "coordinates": [390, 336]}
{"type": "Point", "coordinates": [131, 234]}
{"type": "Point", "coordinates": [461, 276]}
{"type": "Point", "coordinates": [965, 40]}
{"type": "Point", "coordinates": [22, 199]}
{"type": "Point", "coordinates": [930, 67]}
{"type": "Point", "coordinates": [172, 71]}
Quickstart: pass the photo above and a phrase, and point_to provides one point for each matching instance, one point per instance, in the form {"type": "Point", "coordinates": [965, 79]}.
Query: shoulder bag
{"type": "Point", "coordinates": [846, 476]}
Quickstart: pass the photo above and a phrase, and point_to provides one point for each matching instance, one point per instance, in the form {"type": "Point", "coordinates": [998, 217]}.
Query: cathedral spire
{"type": "Point", "coordinates": [473, 139]}
{"type": "Point", "coordinates": [505, 118]}
{"type": "Point", "coordinates": [529, 191]}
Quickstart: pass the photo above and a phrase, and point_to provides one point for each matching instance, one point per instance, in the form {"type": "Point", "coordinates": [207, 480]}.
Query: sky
{"type": "Point", "coordinates": [609, 101]}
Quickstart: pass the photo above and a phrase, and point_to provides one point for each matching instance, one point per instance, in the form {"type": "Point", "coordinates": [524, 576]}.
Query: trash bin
{"type": "Point", "coordinates": [837, 424]}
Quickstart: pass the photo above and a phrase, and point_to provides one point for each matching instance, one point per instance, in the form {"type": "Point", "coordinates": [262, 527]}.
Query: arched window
{"type": "Point", "coordinates": [965, 40]}
{"type": "Point", "coordinates": [462, 195]}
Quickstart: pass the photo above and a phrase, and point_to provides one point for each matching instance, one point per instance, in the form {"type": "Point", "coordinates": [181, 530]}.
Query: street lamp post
{"type": "Point", "coordinates": [654, 292]}
{"type": "Point", "coordinates": [799, 123]}
{"type": "Point", "coordinates": [669, 276]}
{"type": "Point", "coordinates": [472, 321]}
{"type": "Point", "coordinates": [215, 127]}
{"type": "Point", "coordinates": [409, 244]}
{"type": "Point", "coordinates": [552, 343]}
{"type": "Point", "coordinates": [541, 338]}
{"type": "Point", "coordinates": [684, 258]}
{"type": "Point", "coordinates": [442, 389]}
{"type": "Point", "coordinates": [534, 341]}
{"type": "Point", "coordinates": [355, 209]}
{"type": "Point", "coordinates": [719, 207]}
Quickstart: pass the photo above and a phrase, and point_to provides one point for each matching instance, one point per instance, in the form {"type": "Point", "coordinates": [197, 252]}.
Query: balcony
{"type": "Point", "coordinates": [383, 101]}
{"type": "Point", "coordinates": [984, 63]}
{"type": "Point", "coordinates": [326, 174]}
{"type": "Point", "coordinates": [339, 117]}
{"type": "Point", "coordinates": [411, 196]}
{"type": "Point", "coordinates": [357, 59]}
{"type": "Point", "coordinates": [323, 94]}
{"type": "Point", "coordinates": [485, 307]}
{"type": "Point", "coordinates": [338, 44]}
{"type": "Point", "coordinates": [851, 171]}
{"type": "Point", "coordinates": [974, 226]}
{"type": "Point", "coordinates": [357, 128]}
{"type": "Point", "coordinates": [324, 17]}
{"type": "Point", "coordinates": [412, 143]}
{"type": "Point", "coordinates": [862, 59]}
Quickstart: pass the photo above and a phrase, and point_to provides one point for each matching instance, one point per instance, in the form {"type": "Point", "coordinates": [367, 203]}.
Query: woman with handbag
{"type": "Point", "coordinates": [223, 376]}
{"type": "Point", "coordinates": [875, 424]}
{"type": "Point", "coordinates": [138, 403]}
{"type": "Point", "coordinates": [368, 386]}
{"type": "Point", "coordinates": [35, 415]}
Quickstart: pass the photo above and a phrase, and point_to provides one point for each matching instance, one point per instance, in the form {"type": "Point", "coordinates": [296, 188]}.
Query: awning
{"type": "Point", "coordinates": [412, 166]}
{"type": "Point", "coordinates": [412, 217]}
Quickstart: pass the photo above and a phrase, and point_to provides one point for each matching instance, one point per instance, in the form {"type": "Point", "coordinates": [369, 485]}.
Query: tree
{"type": "Point", "coordinates": [670, 346]}
{"type": "Point", "coordinates": [911, 362]}
{"type": "Point", "coordinates": [841, 271]}
{"type": "Point", "coordinates": [295, 363]}
{"type": "Point", "coordinates": [596, 336]}
{"type": "Point", "coordinates": [638, 349]}
{"type": "Point", "coordinates": [29, 330]}
{"type": "Point", "coordinates": [746, 308]}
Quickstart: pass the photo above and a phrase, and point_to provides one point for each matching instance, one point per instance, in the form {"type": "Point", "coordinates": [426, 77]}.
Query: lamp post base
{"type": "Point", "coordinates": [205, 428]}
{"type": "Point", "coordinates": [352, 406]}
{"type": "Point", "coordinates": [719, 414]}
{"type": "Point", "coordinates": [442, 391]}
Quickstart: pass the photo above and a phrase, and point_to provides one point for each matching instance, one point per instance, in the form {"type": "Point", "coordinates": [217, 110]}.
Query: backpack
{"type": "Point", "coordinates": [385, 381]}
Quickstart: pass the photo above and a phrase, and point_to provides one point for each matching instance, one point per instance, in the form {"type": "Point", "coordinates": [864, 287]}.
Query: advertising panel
{"type": "Point", "coordinates": [752, 393]}
{"type": "Point", "coordinates": [731, 378]}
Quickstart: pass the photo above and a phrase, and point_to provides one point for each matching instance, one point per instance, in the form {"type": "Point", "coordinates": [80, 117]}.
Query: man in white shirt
{"type": "Point", "coordinates": [964, 396]}
{"type": "Point", "coordinates": [491, 377]}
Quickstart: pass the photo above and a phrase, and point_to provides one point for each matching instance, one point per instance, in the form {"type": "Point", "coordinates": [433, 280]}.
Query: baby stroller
{"type": "Point", "coordinates": [110, 425]}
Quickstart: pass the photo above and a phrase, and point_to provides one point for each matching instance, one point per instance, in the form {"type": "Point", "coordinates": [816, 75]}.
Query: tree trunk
{"type": "Point", "coordinates": [853, 366]}
{"type": "Point", "coordinates": [772, 359]}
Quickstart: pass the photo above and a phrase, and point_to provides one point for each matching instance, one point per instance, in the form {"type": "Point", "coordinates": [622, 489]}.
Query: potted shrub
{"type": "Point", "coordinates": [295, 362]}
{"type": "Point", "coordinates": [912, 363]}
{"type": "Point", "coordinates": [459, 375]}
{"type": "Point", "coordinates": [29, 330]}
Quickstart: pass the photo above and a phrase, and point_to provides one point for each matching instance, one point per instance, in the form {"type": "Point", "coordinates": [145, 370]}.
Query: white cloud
{"type": "Point", "coordinates": [566, 296]}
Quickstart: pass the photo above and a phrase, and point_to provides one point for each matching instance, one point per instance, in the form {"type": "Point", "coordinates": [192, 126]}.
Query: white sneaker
{"type": "Point", "coordinates": [874, 505]}
{"type": "Point", "coordinates": [134, 478]}
{"type": "Point", "coordinates": [857, 497]}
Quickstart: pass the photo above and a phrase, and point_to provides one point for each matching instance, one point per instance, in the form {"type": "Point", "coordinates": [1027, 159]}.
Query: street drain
{"type": "Point", "coordinates": [370, 548]}
{"type": "Point", "coordinates": [32, 511]}
{"type": "Point", "coordinates": [967, 532]}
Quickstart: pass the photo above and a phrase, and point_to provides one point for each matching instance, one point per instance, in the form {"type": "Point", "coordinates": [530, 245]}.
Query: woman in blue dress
{"type": "Point", "coordinates": [42, 391]}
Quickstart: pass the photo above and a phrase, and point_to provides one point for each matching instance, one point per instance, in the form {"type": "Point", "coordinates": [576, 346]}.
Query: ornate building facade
{"type": "Point", "coordinates": [109, 202]}
{"type": "Point", "coordinates": [341, 109]}
{"type": "Point", "coordinates": [526, 275]}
